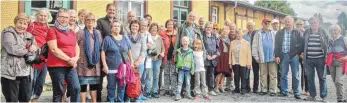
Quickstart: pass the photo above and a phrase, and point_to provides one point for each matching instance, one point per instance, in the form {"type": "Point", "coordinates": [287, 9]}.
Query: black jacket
{"type": "Point", "coordinates": [104, 26]}
{"type": "Point", "coordinates": [296, 43]}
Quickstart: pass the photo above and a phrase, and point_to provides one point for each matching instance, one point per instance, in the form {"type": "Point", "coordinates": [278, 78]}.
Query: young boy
{"type": "Point", "coordinates": [184, 67]}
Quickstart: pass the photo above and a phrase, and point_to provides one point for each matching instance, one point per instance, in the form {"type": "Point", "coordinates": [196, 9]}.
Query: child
{"type": "Point", "coordinates": [200, 87]}
{"type": "Point", "coordinates": [184, 67]}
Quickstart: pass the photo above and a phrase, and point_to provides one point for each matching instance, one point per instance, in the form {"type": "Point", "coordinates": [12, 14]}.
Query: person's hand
{"type": "Point", "coordinates": [341, 60]}
{"type": "Point", "coordinates": [302, 56]}
{"type": "Point", "coordinates": [249, 66]}
{"type": "Point", "coordinates": [105, 69]}
{"type": "Point", "coordinates": [192, 72]}
{"type": "Point", "coordinates": [176, 70]}
{"type": "Point", "coordinates": [149, 46]}
{"type": "Point", "coordinates": [162, 54]}
{"type": "Point", "coordinates": [231, 66]}
{"type": "Point", "coordinates": [137, 63]}
{"type": "Point", "coordinates": [209, 58]}
{"type": "Point", "coordinates": [278, 60]}
{"type": "Point", "coordinates": [33, 48]}
{"type": "Point", "coordinates": [257, 60]}
{"type": "Point", "coordinates": [214, 57]}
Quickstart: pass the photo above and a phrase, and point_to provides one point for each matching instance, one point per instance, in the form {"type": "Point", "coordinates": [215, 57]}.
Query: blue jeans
{"type": "Point", "coordinates": [58, 75]}
{"type": "Point", "coordinates": [38, 82]}
{"type": "Point", "coordinates": [186, 76]}
{"type": "Point", "coordinates": [112, 84]}
{"type": "Point", "coordinates": [310, 66]}
{"type": "Point", "coordinates": [294, 65]}
{"type": "Point", "coordinates": [152, 78]}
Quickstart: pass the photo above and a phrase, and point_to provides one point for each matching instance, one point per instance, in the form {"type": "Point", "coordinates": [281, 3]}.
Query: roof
{"type": "Point", "coordinates": [248, 5]}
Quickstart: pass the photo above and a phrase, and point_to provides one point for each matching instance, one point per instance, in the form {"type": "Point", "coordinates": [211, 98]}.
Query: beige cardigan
{"type": "Point", "coordinates": [245, 57]}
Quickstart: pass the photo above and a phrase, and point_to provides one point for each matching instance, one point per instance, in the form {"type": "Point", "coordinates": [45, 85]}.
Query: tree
{"type": "Point", "coordinates": [281, 6]}
{"type": "Point", "coordinates": [342, 22]}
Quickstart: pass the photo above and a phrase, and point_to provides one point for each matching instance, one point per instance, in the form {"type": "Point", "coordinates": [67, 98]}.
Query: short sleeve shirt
{"type": "Point", "coordinates": [113, 53]}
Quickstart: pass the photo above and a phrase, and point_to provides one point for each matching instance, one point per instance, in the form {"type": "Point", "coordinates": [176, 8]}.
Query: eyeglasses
{"type": "Point", "coordinates": [90, 19]}
{"type": "Point", "coordinates": [63, 17]}
{"type": "Point", "coordinates": [267, 23]}
{"type": "Point", "coordinates": [215, 28]}
{"type": "Point", "coordinates": [298, 24]}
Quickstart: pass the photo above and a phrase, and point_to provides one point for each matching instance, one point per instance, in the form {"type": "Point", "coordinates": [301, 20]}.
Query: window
{"type": "Point", "coordinates": [123, 7]}
{"type": "Point", "coordinates": [31, 7]}
{"type": "Point", "coordinates": [214, 14]}
{"type": "Point", "coordinates": [180, 12]}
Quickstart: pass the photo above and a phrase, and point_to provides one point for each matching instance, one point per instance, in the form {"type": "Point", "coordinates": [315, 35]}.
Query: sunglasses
{"type": "Point", "coordinates": [267, 23]}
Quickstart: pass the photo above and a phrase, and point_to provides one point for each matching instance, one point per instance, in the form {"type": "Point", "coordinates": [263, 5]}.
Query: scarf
{"type": "Point", "coordinates": [95, 57]}
{"type": "Point", "coordinates": [139, 37]}
{"type": "Point", "coordinates": [60, 27]}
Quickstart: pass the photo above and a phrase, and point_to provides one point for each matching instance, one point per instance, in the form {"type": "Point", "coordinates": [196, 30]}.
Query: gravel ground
{"type": "Point", "coordinates": [228, 96]}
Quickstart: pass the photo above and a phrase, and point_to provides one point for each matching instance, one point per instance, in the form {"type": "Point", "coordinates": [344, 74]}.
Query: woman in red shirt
{"type": "Point", "coordinates": [169, 39]}
{"type": "Point", "coordinates": [62, 57]}
{"type": "Point", "coordinates": [39, 30]}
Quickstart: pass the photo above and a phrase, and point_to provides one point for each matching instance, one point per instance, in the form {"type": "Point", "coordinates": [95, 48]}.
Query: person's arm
{"type": "Point", "coordinates": [217, 48]}
{"type": "Point", "coordinates": [99, 25]}
{"type": "Point", "coordinates": [9, 43]}
{"type": "Point", "coordinates": [104, 48]}
{"type": "Point", "coordinates": [77, 56]}
{"type": "Point", "coordinates": [162, 47]}
{"type": "Point", "coordinates": [255, 47]}
{"type": "Point", "coordinates": [230, 53]}
{"type": "Point", "coordinates": [249, 56]}
{"type": "Point", "coordinates": [278, 45]}
{"type": "Point", "coordinates": [52, 44]}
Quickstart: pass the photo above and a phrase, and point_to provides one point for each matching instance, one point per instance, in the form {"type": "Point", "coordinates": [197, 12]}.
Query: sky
{"type": "Point", "coordinates": [307, 8]}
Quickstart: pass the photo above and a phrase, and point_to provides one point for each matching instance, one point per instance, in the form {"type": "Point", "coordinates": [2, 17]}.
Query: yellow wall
{"type": "Point", "coordinates": [201, 8]}
{"type": "Point", "coordinates": [9, 10]}
{"type": "Point", "coordinates": [159, 10]}
{"type": "Point", "coordinates": [98, 8]}
{"type": "Point", "coordinates": [230, 13]}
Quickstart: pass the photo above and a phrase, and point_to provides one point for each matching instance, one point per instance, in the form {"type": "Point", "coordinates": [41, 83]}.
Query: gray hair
{"type": "Point", "coordinates": [250, 23]}
{"type": "Point", "coordinates": [207, 24]}
{"type": "Point", "coordinates": [44, 10]}
{"type": "Point", "coordinates": [314, 18]}
{"type": "Point", "coordinates": [334, 27]}
{"type": "Point", "coordinates": [72, 12]}
{"type": "Point", "coordinates": [144, 20]}
{"type": "Point", "coordinates": [61, 10]}
{"type": "Point", "coordinates": [289, 17]}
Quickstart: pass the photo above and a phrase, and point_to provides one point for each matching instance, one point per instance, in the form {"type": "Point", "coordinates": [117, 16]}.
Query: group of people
{"type": "Point", "coordinates": [199, 57]}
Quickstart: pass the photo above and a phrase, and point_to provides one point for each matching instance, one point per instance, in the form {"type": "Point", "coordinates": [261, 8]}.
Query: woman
{"type": "Point", "coordinates": [337, 60]}
{"type": "Point", "coordinates": [138, 45]}
{"type": "Point", "coordinates": [62, 58]}
{"type": "Point", "coordinates": [88, 69]}
{"type": "Point", "coordinates": [149, 19]}
{"type": "Point", "coordinates": [15, 73]}
{"type": "Point", "coordinates": [113, 47]}
{"type": "Point", "coordinates": [212, 53]}
{"type": "Point", "coordinates": [39, 30]}
{"type": "Point", "coordinates": [156, 54]}
{"type": "Point", "coordinates": [240, 59]}
{"type": "Point", "coordinates": [168, 66]}
{"type": "Point", "coordinates": [223, 69]}
{"type": "Point", "coordinates": [81, 14]}
{"type": "Point", "coordinates": [72, 21]}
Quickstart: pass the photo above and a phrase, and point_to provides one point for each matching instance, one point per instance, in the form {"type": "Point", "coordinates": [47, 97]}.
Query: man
{"type": "Point", "coordinates": [104, 26]}
{"type": "Point", "coordinates": [299, 26]}
{"type": "Point", "coordinates": [287, 51]}
{"type": "Point", "coordinates": [263, 53]}
{"type": "Point", "coordinates": [255, 66]}
{"type": "Point", "coordinates": [232, 34]}
{"type": "Point", "coordinates": [131, 17]}
{"type": "Point", "coordinates": [275, 25]}
{"type": "Point", "coordinates": [190, 29]}
{"type": "Point", "coordinates": [201, 23]}
{"type": "Point", "coordinates": [315, 49]}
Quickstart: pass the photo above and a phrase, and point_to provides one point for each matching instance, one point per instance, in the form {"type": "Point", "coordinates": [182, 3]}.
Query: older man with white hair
{"type": "Point", "coordinates": [275, 24]}
{"type": "Point", "coordinates": [287, 51]}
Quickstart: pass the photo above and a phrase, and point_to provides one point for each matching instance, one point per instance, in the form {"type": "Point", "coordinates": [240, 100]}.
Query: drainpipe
{"type": "Point", "coordinates": [235, 5]}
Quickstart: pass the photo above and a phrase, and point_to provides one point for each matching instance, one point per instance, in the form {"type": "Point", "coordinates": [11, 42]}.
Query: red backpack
{"type": "Point", "coordinates": [134, 89]}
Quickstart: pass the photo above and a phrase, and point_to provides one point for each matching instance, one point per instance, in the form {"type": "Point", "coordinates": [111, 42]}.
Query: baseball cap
{"type": "Point", "coordinates": [274, 21]}
{"type": "Point", "coordinates": [265, 20]}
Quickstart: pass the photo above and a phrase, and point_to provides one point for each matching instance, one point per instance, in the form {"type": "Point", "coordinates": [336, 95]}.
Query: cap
{"type": "Point", "coordinates": [274, 21]}
{"type": "Point", "coordinates": [265, 20]}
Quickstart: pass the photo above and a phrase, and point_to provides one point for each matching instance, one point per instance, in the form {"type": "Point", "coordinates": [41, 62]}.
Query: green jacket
{"type": "Point", "coordinates": [186, 59]}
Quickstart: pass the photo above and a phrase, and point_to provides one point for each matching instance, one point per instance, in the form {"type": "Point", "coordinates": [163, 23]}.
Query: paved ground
{"type": "Point", "coordinates": [228, 96]}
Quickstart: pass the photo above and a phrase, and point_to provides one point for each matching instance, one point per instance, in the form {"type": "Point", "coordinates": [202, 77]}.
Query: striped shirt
{"type": "Point", "coordinates": [314, 47]}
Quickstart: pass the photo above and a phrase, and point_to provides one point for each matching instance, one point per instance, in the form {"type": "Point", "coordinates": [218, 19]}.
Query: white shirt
{"type": "Point", "coordinates": [199, 61]}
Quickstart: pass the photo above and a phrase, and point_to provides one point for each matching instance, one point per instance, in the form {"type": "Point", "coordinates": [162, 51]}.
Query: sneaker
{"type": "Point", "coordinates": [272, 94]}
{"type": "Point", "coordinates": [262, 93]}
{"type": "Point", "coordinates": [222, 90]}
{"type": "Point", "coordinates": [212, 93]}
{"type": "Point", "coordinates": [148, 95]}
{"type": "Point", "coordinates": [177, 98]}
{"type": "Point", "coordinates": [341, 100]}
{"type": "Point", "coordinates": [143, 97]}
{"type": "Point", "coordinates": [207, 97]}
{"type": "Point", "coordinates": [227, 89]}
{"type": "Point", "coordinates": [282, 95]}
{"type": "Point", "coordinates": [197, 97]}
{"type": "Point", "coordinates": [236, 91]}
{"type": "Point", "coordinates": [324, 99]}
{"type": "Point", "coordinates": [156, 95]}
{"type": "Point", "coordinates": [189, 97]}
{"type": "Point", "coordinates": [310, 98]}
{"type": "Point", "coordinates": [216, 90]}
{"type": "Point", "coordinates": [307, 93]}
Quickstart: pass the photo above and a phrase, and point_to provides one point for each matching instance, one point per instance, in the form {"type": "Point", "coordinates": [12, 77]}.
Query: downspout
{"type": "Point", "coordinates": [235, 5]}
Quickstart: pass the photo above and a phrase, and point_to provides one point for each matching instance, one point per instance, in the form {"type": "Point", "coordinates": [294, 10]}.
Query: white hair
{"type": "Point", "coordinates": [44, 10]}
{"type": "Point", "coordinates": [185, 38]}
{"type": "Point", "coordinates": [334, 27]}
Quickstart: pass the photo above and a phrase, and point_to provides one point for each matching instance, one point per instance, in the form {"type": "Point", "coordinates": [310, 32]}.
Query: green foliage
{"type": "Point", "coordinates": [281, 6]}
{"type": "Point", "coordinates": [342, 22]}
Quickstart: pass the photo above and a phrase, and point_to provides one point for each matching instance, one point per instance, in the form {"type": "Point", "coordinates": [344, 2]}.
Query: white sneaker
{"type": "Point", "coordinates": [212, 93]}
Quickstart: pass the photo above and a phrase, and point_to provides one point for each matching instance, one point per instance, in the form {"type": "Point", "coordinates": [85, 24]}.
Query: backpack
{"type": "Point", "coordinates": [133, 89]}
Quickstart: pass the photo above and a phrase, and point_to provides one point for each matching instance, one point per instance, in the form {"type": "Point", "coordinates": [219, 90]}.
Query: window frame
{"type": "Point", "coordinates": [129, 7]}
{"type": "Point", "coordinates": [180, 9]}
{"type": "Point", "coordinates": [216, 15]}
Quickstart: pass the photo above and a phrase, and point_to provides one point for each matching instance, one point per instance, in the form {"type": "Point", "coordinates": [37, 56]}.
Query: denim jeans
{"type": "Point", "coordinates": [38, 82]}
{"type": "Point", "coordinates": [58, 75]}
{"type": "Point", "coordinates": [294, 65]}
{"type": "Point", "coordinates": [112, 84]}
{"type": "Point", "coordinates": [141, 69]}
{"type": "Point", "coordinates": [312, 65]}
{"type": "Point", "coordinates": [183, 75]}
{"type": "Point", "coordinates": [152, 78]}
